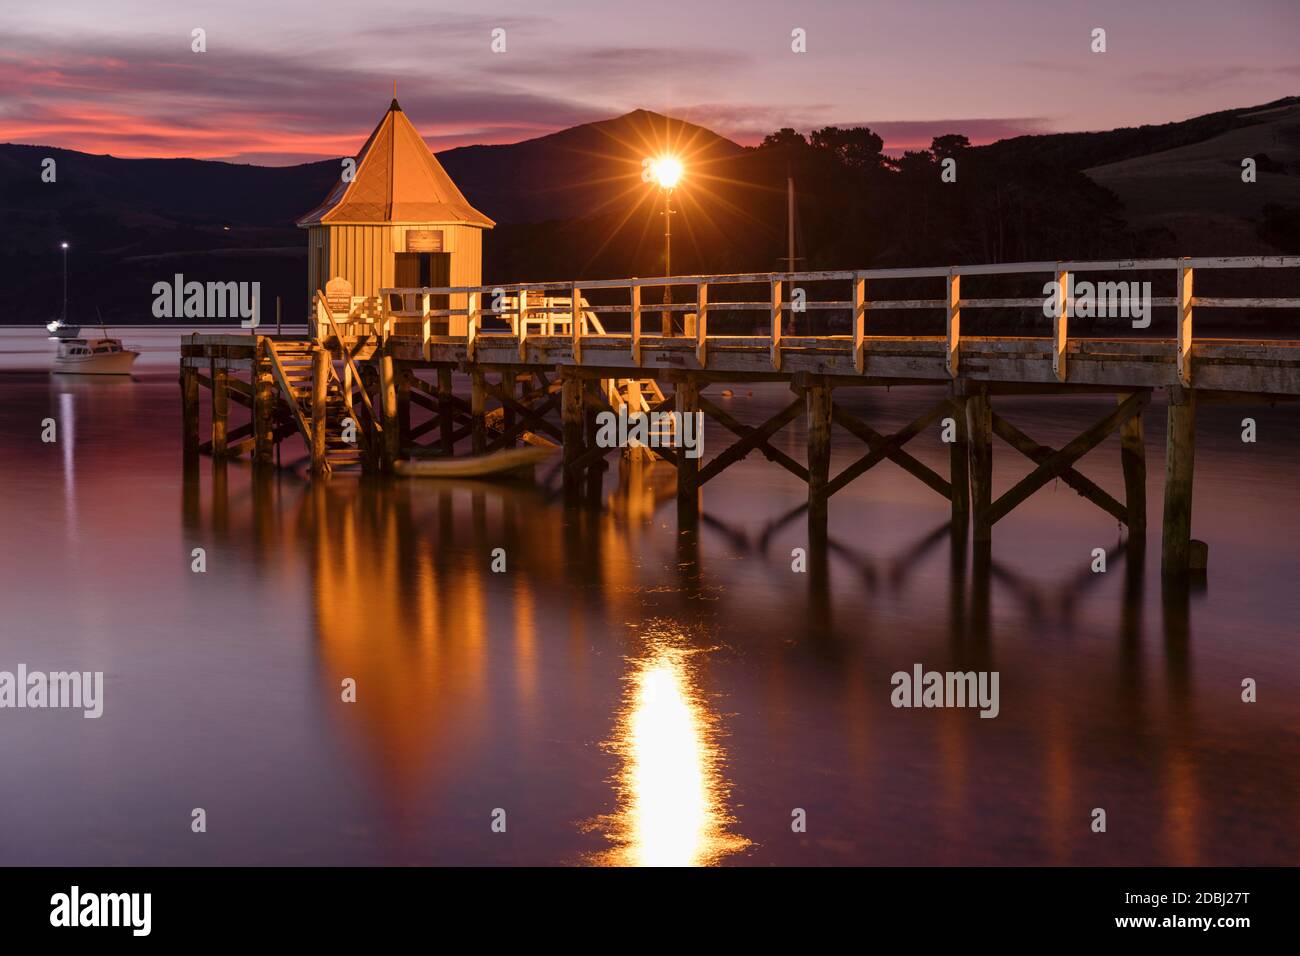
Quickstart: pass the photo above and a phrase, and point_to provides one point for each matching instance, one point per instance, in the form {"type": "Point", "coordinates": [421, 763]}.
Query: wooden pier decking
{"type": "Point", "coordinates": [536, 351]}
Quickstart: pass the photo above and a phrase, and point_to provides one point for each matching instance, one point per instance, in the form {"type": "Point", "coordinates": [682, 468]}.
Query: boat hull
{"type": "Point", "coordinates": [498, 463]}
{"type": "Point", "coordinates": [112, 363]}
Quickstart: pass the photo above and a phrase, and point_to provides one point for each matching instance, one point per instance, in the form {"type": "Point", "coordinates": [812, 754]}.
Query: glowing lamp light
{"type": "Point", "coordinates": [63, 245]}
{"type": "Point", "coordinates": [667, 171]}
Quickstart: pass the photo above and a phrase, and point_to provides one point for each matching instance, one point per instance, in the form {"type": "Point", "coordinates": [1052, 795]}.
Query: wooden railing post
{"type": "Point", "coordinates": [859, 323]}
{"type": "Point", "coordinates": [1060, 328]}
{"type": "Point", "coordinates": [576, 325]}
{"type": "Point", "coordinates": [636, 322]}
{"type": "Point", "coordinates": [521, 330]}
{"type": "Point", "coordinates": [776, 323]}
{"type": "Point", "coordinates": [1185, 324]}
{"type": "Point", "coordinates": [702, 323]}
{"type": "Point", "coordinates": [471, 332]}
{"type": "Point", "coordinates": [954, 321]}
{"type": "Point", "coordinates": [426, 329]}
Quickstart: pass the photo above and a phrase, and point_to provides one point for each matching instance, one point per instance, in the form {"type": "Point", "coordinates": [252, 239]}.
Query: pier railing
{"type": "Point", "coordinates": [685, 307]}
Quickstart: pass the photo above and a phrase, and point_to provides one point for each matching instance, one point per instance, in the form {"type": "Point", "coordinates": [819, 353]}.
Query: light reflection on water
{"type": "Point", "coordinates": [671, 787]}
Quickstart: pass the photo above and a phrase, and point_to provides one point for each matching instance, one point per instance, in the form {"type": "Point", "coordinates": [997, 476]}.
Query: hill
{"type": "Point", "coordinates": [572, 204]}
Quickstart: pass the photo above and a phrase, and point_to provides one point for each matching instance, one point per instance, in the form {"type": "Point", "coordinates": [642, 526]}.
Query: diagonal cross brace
{"type": "Point", "coordinates": [752, 438]}
{"type": "Point", "coordinates": [1037, 453]}
{"type": "Point", "coordinates": [890, 447]}
{"type": "Point", "coordinates": [1055, 464]}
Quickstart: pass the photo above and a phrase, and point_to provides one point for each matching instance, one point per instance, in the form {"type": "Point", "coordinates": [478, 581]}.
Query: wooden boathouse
{"type": "Point", "coordinates": [388, 332]}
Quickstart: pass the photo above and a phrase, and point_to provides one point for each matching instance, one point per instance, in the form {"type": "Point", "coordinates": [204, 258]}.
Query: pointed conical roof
{"type": "Point", "coordinates": [397, 179]}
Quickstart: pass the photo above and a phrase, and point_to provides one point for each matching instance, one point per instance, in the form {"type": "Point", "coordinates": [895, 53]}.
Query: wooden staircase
{"type": "Point", "coordinates": [641, 395]}
{"type": "Point", "coordinates": [292, 362]}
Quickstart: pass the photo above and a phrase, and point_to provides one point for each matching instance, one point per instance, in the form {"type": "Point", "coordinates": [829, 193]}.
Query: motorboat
{"type": "Point", "coordinates": [103, 356]}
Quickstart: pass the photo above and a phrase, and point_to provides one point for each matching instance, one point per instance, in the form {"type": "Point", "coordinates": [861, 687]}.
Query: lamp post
{"type": "Point", "coordinates": [667, 172]}
{"type": "Point", "coordinates": [64, 317]}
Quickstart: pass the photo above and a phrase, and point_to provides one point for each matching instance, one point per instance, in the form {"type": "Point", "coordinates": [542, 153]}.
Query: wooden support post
{"type": "Point", "coordinates": [636, 323]}
{"type": "Point", "coordinates": [1185, 325]}
{"type": "Point", "coordinates": [576, 321]}
{"type": "Point", "coordinates": [190, 413]}
{"type": "Point", "coordinates": [954, 323]}
{"type": "Point", "coordinates": [477, 411]}
{"type": "Point", "coordinates": [264, 400]}
{"type": "Point", "coordinates": [426, 330]}
{"type": "Point", "coordinates": [1179, 458]}
{"type": "Point", "coordinates": [446, 422]}
{"type": "Point", "coordinates": [220, 410]}
{"type": "Point", "coordinates": [388, 402]}
{"type": "Point", "coordinates": [702, 324]}
{"type": "Point", "coordinates": [979, 418]}
{"type": "Point", "coordinates": [1133, 459]}
{"type": "Point", "coordinates": [596, 469]}
{"type": "Point", "coordinates": [859, 323]}
{"type": "Point", "coordinates": [509, 386]}
{"type": "Point", "coordinates": [776, 323]}
{"type": "Point", "coordinates": [1060, 325]}
{"type": "Point", "coordinates": [959, 463]}
{"type": "Point", "coordinates": [319, 383]}
{"type": "Point", "coordinates": [571, 419]}
{"type": "Point", "coordinates": [686, 399]}
{"type": "Point", "coordinates": [818, 397]}
{"type": "Point", "coordinates": [403, 384]}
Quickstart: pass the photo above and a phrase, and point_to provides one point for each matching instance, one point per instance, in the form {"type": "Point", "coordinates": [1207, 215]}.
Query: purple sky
{"type": "Point", "coordinates": [285, 82]}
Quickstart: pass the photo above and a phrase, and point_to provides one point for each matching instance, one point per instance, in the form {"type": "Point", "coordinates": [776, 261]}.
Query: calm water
{"type": "Point", "coordinates": [626, 693]}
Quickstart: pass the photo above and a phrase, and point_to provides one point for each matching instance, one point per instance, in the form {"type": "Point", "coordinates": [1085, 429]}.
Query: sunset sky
{"type": "Point", "coordinates": [284, 82]}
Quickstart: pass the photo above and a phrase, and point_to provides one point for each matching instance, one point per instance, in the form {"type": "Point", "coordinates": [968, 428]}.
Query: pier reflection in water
{"type": "Point", "coordinates": [626, 692]}
{"type": "Point", "coordinates": [454, 663]}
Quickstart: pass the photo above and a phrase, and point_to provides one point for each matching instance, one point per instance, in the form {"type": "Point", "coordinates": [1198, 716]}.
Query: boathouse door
{"type": "Point", "coordinates": [422, 270]}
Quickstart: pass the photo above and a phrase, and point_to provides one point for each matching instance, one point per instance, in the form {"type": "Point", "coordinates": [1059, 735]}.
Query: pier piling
{"type": "Point", "coordinates": [818, 400]}
{"type": "Point", "coordinates": [686, 401]}
{"type": "Point", "coordinates": [190, 413]}
{"type": "Point", "coordinates": [319, 384]}
{"type": "Point", "coordinates": [264, 401]}
{"type": "Point", "coordinates": [1179, 457]}
{"type": "Point", "coordinates": [220, 409]}
{"type": "Point", "coordinates": [1134, 463]}
{"type": "Point", "coordinates": [979, 418]}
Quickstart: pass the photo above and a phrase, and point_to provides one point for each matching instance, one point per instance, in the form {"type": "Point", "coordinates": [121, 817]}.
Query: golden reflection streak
{"type": "Point", "coordinates": [671, 789]}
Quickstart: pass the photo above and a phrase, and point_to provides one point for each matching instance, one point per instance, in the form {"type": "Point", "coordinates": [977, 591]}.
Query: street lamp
{"type": "Point", "coordinates": [667, 172]}
{"type": "Point", "coordinates": [64, 247]}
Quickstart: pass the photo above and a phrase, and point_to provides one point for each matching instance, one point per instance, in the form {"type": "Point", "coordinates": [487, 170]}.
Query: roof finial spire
{"type": "Point", "coordinates": [394, 105]}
